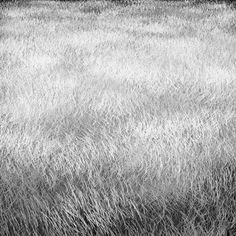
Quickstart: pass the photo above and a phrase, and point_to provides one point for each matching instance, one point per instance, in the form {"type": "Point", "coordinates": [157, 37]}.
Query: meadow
{"type": "Point", "coordinates": [117, 119]}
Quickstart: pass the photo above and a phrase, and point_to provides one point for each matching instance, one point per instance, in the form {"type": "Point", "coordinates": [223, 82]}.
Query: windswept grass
{"type": "Point", "coordinates": [117, 120]}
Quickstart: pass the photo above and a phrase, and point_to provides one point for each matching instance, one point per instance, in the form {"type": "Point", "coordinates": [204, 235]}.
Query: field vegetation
{"type": "Point", "coordinates": [117, 120]}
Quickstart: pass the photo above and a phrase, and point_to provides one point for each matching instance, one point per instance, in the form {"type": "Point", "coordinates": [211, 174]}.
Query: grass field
{"type": "Point", "coordinates": [117, 120]}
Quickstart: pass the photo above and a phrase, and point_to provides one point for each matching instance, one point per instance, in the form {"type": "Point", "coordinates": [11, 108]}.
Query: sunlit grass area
{"type": "Point", "coordinates": [117, 120]}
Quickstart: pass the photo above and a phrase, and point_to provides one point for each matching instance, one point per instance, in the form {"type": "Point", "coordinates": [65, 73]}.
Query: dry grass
{"type": "Point", "coordinates": [117, 120]}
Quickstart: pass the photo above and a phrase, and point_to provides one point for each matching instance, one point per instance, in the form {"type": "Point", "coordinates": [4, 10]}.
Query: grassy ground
{"type": "Point", "coordinates": [117, 120]}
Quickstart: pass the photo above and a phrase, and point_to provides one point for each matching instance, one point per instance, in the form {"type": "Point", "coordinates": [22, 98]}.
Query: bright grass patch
{"type": "Point", "coordinates": [117, 120]}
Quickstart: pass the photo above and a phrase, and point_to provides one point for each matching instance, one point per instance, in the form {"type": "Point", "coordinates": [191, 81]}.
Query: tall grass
{"type": "Point", "coordinates": [119, 121]}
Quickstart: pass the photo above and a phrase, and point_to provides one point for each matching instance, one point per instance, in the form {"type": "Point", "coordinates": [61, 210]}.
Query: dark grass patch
{"type": "Point", "coordinates": [101, 202]}
{"type": "Point", "coordinates": [15, 3]}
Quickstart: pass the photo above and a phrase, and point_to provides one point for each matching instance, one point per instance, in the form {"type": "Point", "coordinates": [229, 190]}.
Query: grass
{"type": "Point", "coordinates": [117, 120]}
